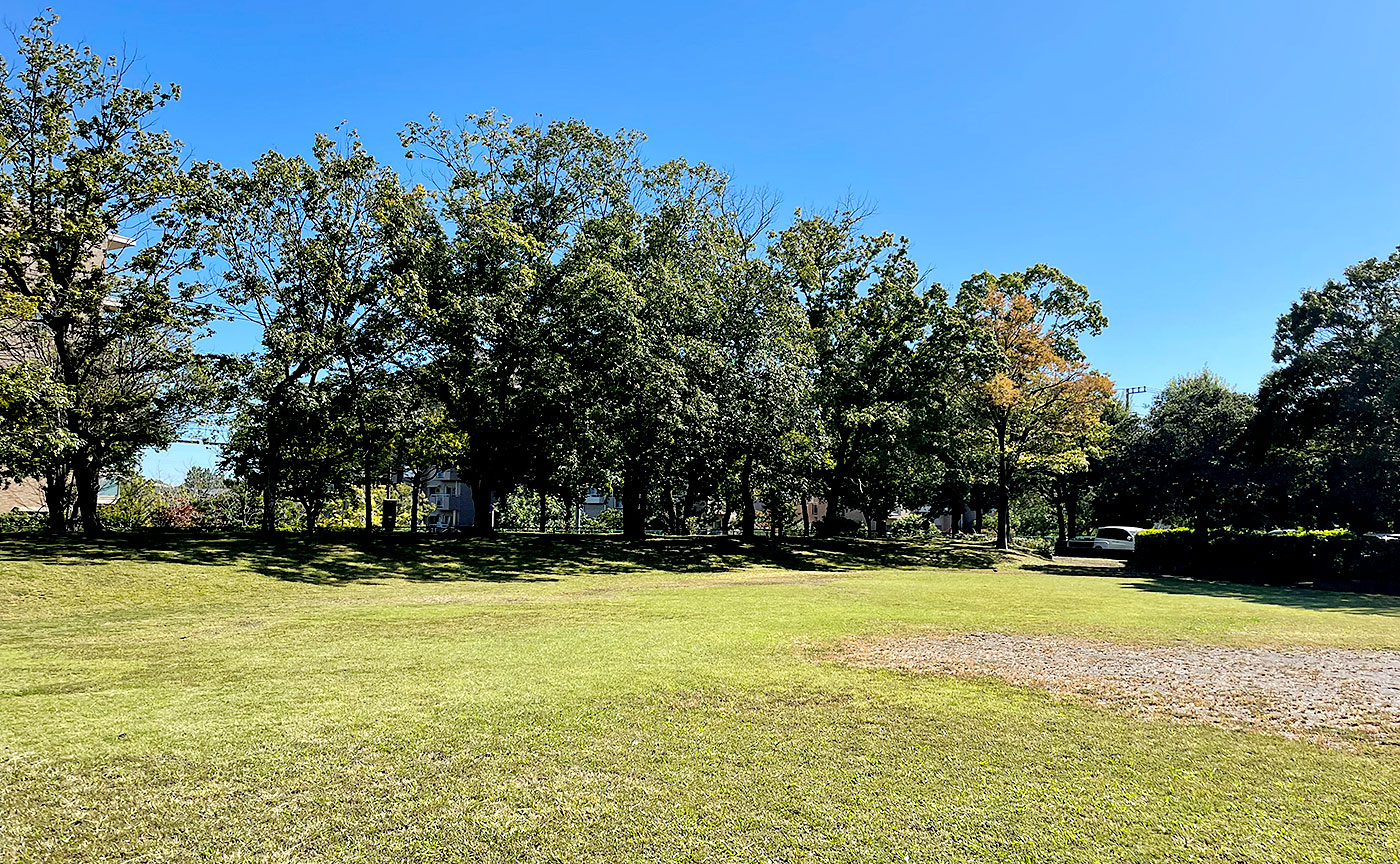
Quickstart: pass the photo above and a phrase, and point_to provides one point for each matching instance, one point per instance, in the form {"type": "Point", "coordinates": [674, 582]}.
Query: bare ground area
{"type": "Point", "coordinates": [1328, 694]}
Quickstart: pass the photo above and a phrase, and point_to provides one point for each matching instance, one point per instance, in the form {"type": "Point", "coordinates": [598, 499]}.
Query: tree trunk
{"type": "Point", "coordinates": [746, 494]}
{"type": "Point", "coordinates": [1003, 516]}
{"type": "Point", "coordinates": [806, 518]}
{"type": "Point", "coordinates": [1003, 492]}
{"type": "Point", "coordinates": [56, 498]}
{"type": "Point", "coordinates": [634, 500]}
{"type": "Point", "coordinates": [544, 512]}
{"type": "Point", "coordinates": [482, 523]}
{"type": "Point", "coordinates": [413, 506]}
{"type": "Point", "coordinates": [1060, 537]}
{"type": "Point", "coordinates": [87, 482]}
{"type": "Point", "coordinates": [369, 498]}
{"type": "Point", "coordinates": [669, 498]}
{"type": "Point", "coordinates": [1071, 511]}
{"type": "Point", "coordinates": [272, 477]}
{"type": "Point", "coordinates": [272, 466]}
{"type": "Point", "coordinates": [687, 504]}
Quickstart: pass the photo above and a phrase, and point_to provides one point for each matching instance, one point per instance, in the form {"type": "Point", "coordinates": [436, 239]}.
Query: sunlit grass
{"type": "Point", "coordinates": [537, 699]}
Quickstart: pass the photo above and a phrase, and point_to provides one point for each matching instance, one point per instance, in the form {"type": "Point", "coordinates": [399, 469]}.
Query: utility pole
{"type": "Point", "coordinates": [1129, 393]}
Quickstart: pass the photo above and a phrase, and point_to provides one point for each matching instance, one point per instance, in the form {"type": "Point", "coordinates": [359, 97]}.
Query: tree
{"type": "Point", "coordinates": [1121, 491]}
{"type": "Point", "coordinates": [318, 254]}
{"type": "Point", "coordinates": [1070, 487]}
{"type": "Point", "coordinates": [99, 314]}
{"type": "Point", "coordinates": [423, 444]}
{"type": "Point", "coordinates": [500, 303]}
{"type": "Point", "coordinates": [313, 450]}
{"type": "Point", "coordinates": [1328, 429]}
{"type": "Point", "coordinates": [879, 335]}
{"type": "Point", "coordinates": [1034, 402]}
{"type": "Point", "coordinates": [644, 278]}
{"type": "Point", "coordinates": [768, 436]}
{"type": "Point", "coordinates": [1192, 450]}
{"type": "Point", "coordinates": [33, 436]}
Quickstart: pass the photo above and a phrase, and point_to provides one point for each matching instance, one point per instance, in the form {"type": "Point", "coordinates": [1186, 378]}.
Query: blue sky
{"type": "Point", "coordinates": [1194, 164]}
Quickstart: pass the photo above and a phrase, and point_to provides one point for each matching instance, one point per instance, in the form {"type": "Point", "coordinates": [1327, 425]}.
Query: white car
{"type": "Point", "coordinates": [1108, 540]}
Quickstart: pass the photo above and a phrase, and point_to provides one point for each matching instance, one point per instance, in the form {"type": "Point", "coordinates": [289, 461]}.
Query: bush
{"type": "Point", "coordinates": [909, 525]}
{"type": "Point", "coordinates": [1335, 559]}
{"type": "Point", "coordinates": [1169, 550]}
{"type": "Point", "coordinates": [16, 522]}
{"type": "Point", "coordinates": [605, 522]}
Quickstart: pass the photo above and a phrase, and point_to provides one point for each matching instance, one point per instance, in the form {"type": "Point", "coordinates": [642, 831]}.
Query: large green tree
{"type": "Point", "coordinates": [1192, 454]}
{"type": "Point", "coordinates": [318, 255]}
{"type": "Point", "coordinates": [99, 316]}
{"type": "Point", "coordinates": [646, 278]}
{"type": "Point", "coordinates": [882, 340]}
{"type": "Point", "coordinates": [1329, 423]}
{"type": "Point", "coordinates": [509, 329]}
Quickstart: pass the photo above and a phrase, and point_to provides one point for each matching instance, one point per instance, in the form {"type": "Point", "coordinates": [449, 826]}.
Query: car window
{"type": "Point", "coordinates": [1113, 534]}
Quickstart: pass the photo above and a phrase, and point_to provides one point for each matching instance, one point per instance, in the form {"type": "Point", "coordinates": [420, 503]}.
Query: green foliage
{"type": "Point", "coordinates": [16, 522]}
{"type": "Point", "coordinates": [884, 343]}
{"type": "Point", "coordinates": [33, 436]}
{"type": "Point", "coordinates": [1193, 447]}
{"type": "Point", "coordinates": [103, 318]}
{"type": "Point", "coordinates": [606, 521]}
{"type": "Point", "coordinates": [1328, 432]}
{"type": "Point", "coordinates": [909, 525]}
{"type": "Point", "coordinates": [1334, 559]}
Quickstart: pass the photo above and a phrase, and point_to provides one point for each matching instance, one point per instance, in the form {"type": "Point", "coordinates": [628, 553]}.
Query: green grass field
{"type": "Point", "coordinates": [529, 699]}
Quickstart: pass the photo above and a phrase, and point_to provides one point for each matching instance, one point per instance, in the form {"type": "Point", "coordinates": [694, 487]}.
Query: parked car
{"type": "Point", "coordinates": [1110, 540]}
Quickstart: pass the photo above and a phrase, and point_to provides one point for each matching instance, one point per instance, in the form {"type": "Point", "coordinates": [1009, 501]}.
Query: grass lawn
{"type": "Point", "coordinates": [572, 699]}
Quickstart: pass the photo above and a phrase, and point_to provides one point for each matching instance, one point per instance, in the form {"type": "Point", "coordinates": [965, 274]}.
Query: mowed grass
{"type": "Point", "coordinates": [573, 699]}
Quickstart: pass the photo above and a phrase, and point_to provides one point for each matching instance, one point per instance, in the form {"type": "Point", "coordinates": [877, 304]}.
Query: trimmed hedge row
{"type": "Point", "coordinates": [1332, 560]}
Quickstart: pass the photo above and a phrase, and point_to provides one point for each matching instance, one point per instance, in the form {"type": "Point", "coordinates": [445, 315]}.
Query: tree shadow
{"type": "Point", "coordinates": [1295, 597]}
{"type": "Point", "coordinates": [1078, 567]}
{"type": "Point", "coordinates": [1298, 598]}
{"type": "Point", "coordinates": [338, 559]}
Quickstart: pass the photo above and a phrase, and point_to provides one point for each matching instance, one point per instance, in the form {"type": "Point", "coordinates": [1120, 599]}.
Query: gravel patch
{"type": "Point", "coordinates": [1329, 694]}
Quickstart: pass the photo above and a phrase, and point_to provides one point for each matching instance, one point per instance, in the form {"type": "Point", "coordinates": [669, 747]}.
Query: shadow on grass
{"type": "Point", "coordinates": [344, 558]}
{"type": "Point", "coordinates": [1298, 598]}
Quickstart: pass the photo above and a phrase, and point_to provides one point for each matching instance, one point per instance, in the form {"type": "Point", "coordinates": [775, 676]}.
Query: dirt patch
{"type": "Point", "coordinates": [1329, 694]}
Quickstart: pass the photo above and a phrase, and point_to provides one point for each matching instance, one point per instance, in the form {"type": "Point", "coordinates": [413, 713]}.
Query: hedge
{"type": "Point", "coordinates": [1334, 560]}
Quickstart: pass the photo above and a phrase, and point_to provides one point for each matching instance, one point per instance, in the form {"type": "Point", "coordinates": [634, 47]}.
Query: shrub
{"type": "Point", "coordinates": [1334, 559]}
{"type": "Point", "coordinates": [1039, 545]}
{"type": "Point", "coordinates": [1167, 550]}
{"type": "Point", "coordinates": [16, 522]}
{"type": "Point", "coordinates": [608, 520]}
{"type": "Point", "coordinates": [909, 525]}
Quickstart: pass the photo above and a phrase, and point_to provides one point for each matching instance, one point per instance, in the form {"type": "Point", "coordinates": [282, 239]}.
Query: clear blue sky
{"type": "Point", "coordinates": [1195, 164]}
